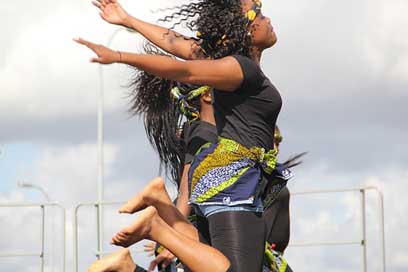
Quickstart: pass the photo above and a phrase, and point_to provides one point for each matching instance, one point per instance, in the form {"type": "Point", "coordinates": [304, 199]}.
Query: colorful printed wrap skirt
{"type": "Point", "coordinates": [278, 180]}
{"type": "Point", "coordinates": [229, 173]}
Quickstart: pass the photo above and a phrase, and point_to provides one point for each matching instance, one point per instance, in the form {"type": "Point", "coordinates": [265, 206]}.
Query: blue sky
{"type": "Point", "coordinates": [15, 160]}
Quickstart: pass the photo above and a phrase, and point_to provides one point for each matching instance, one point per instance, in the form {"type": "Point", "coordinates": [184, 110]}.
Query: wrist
{"type": "Point", "coordinates": [127, 21]}
{"type": "Point", "coordinates": [119, 56]}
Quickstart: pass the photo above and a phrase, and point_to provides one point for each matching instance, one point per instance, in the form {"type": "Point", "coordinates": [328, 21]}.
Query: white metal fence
{"type": "Point", "coordinates": [41, 253]}
{"type": "Point", "coordinates": [363, 235]}
{"type": "Point", "coordinates": [98, 205]}
{"type": "Point", "coordinates": [360, 242]}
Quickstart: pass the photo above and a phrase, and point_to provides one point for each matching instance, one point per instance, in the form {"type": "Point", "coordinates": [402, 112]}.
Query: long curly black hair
{"type": "Point", "coordinates": [222, 26]}
{"type": "Point", "coordinates": [150, 98]}
{"type": "Point", "coordinates": [215, 20]}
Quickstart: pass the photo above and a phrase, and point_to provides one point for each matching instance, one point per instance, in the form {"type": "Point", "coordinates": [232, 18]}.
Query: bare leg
{"type": "Point", "coordinates": [195, 255]}
{"type": "Point", "coordinates": [120, 261]}
{"type": "Point", "coordinates": [155, 194]}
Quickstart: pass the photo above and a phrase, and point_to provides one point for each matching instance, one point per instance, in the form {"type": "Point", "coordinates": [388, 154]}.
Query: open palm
{"type": "Point", "coordinates": [104, 54]}
{"type": "Point", "coordinates": [111, 11]}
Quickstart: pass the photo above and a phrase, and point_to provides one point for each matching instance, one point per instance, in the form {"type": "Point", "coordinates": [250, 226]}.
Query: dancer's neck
{"type": "Point", "coordinates": [256, 55]}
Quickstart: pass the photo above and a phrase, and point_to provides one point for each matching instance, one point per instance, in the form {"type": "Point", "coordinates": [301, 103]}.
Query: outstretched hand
{"type": "Point", "coordinates": [164, 259]}
{"type": "Point", "coordinates": [111, 11]}
{"type": "Point", "coordinates": [104, 54]}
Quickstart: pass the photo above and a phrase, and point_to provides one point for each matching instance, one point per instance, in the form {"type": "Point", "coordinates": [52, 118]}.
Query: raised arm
{"type": "Point", "coordinates": [168, 40]}
{"type": "Point", "coordinates": [222, 74]}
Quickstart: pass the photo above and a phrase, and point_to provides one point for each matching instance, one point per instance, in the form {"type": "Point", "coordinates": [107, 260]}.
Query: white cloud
{"type": "Point", "coordinates": [48, 76]}
{"type": "Point", "coordinates": [69, 173]}
{"type": "Point", "coordinates": [387, 48]}
{"type": "Point", "coordinates": [337, 217]}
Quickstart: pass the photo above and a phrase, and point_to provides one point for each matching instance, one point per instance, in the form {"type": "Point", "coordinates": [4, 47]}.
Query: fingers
{"type": "Point", "coordinates": [103, 54]}
{"type": "Point", "coordinates": [150, 244]}
{"type": "Point", "coordinates": [164, 259]}
{"type": "Point", "coordinates": [97, 4]}
{"type": "Point", "coordinates": [119, 238]}
{"type": "Point", "coordinates": [101, 2]}
{"type": "Point", "coordinates": [114, 240]}
{"type": "Point", "coordinates": [151, 253]}
{"type": "Point", "coordinates": [165, 263]}
{"type": "Point", "coordinates": [97, 60]}
{"type": "Point", "coordinates": [122, 236]}
{"type": "Point", "coordinates": [85, 42]}
{"type": "Point", "coordinates": [149, 247]}
{"type": "Point", "coordinates": [152, 265]}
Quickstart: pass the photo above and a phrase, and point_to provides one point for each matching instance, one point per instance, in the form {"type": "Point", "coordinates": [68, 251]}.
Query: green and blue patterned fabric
{"type": "Point", "coordinates": [228, 173]}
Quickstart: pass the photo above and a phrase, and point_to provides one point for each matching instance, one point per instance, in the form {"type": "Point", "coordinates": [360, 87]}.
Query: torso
{"type": "Point", "coordinates": [248, 115]}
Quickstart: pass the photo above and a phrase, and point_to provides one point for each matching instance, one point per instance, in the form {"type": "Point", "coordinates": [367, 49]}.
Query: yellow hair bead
{"type": "Point", "coordinates": [251, 15]}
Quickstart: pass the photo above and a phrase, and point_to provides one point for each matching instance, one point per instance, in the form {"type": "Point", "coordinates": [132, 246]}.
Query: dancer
{"type": "Point", "coordinates": [161, 221]}
{"type": "Point", "coordinates": [195, 105]}
{"type": "Point", "coordinates": [246, 107]}
{"type": "Point", "coordinates": [149, 225]}
{"type": "Point", "coordinates": [276, 214]}
{"type": "Point", "coordinates": [199, 129]}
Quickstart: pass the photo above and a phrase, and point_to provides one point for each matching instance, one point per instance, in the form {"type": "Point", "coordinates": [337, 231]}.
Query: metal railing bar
{"type": "Point", "coordinates": [42, 205]}
{"type": "Point", "coordinates": [42, 236]}
{"type": "Point", "coordinates": [324, 191]}
{"type": "Point", "coordinates": [30, 204]}
{"type": "Point", "coordinates": [22, 254]}
{"type": "Point", "coordinates": [381, 223]}
{"type": "Point", "coordinates": [302, 244]}
{"type": "Point", "coordinates": [361, 242]}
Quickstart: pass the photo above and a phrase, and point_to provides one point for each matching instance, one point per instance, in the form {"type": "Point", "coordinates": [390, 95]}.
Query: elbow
{"type": "Point", "coordinates": [188, 77]}
{"type": "Point", "coordinates": [192, 79]}
{"type": "Point", "coordinates": [193, 75]}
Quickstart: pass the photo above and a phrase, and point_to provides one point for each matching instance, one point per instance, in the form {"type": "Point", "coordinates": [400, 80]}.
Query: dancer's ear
{"type": "Point", "coordinates": [207, 97]}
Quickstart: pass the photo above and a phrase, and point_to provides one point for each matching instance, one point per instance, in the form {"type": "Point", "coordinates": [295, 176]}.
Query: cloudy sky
{"type": "Point", "coordinates": [341, 68]}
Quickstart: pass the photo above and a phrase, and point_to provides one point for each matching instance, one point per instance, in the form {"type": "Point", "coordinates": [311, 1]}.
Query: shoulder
{"type": "Point", "coordinates": [252, 73]}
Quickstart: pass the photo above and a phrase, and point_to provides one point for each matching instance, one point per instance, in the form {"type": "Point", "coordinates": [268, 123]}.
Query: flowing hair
{"type": "Point", "coordinates": [221, 25]}
{"type": "Point", "coordinates": [215, 21]}
{"type": "Point", "coordinates": [150, 97]}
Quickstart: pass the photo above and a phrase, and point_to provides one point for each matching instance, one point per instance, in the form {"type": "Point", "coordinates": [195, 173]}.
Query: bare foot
{"type": "Point", "coordinates": [139, 230]}
{"type": "Point", "coordinates": [120, 261]}
{"type": "Point", "coordinates": [154, 191]}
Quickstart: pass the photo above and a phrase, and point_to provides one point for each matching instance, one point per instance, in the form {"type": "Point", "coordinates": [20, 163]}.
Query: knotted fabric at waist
{"type": "Point", "coordinates": [228, 172]}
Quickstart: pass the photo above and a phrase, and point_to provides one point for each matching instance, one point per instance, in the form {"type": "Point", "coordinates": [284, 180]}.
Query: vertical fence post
{"type": "Point", "coordinates": [99, 230]}
{"type": "Point", "coordinates": [76, 238]}
{"type": "Point", "coordinates": [64, 239]}
{"type": "Point", "coordinates": [41, 252]}
{"type": "Point", "coordinates": [42, 236]}
{"type": "Point", "coordinates": [363, 230]}
{"type": "Point", "coordinates": [381, 223]}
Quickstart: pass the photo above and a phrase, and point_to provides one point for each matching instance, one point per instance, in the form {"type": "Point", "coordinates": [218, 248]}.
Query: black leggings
{"type": "Point", "coordinates": [277, 221]}
{"type": "Point", "coordinates": [140, 269]}
{"type": "Point", "coordinates": [237, 228]}
{"type": "Point", "coordinates": [239, 235]}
